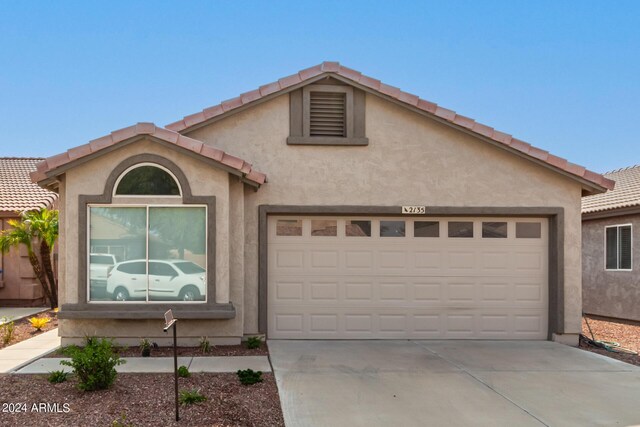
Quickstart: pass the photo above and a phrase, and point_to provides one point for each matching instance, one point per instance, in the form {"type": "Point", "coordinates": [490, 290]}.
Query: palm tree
{"type": "Point", "coordinates": [36, 229]}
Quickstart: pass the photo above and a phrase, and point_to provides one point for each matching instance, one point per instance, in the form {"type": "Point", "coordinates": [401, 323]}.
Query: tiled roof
{"type": "Point", "coordinates": [17, 192]}
{"type": "Point", "coordinates": [625, 195]}
{"type": "Point", "coordinates": [393, 92]}
{"type": "Point", "coordinates": [47, 168]}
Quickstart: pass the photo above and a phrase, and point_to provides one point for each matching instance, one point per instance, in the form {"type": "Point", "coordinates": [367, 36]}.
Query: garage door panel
{"type": "Point", "coordinates": [336, 286]}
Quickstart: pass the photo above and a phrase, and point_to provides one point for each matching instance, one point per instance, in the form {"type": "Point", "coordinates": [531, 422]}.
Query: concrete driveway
{"type": "Point", "coordinates": [452, 383]}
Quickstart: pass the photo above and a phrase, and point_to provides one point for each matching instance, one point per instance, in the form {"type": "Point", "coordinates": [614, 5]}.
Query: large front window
{"type": "Point", "coordinates": [147, 253]}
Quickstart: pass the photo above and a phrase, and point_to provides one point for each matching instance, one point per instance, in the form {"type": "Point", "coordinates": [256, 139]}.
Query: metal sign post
{"type": "Point", "coordinates": [169, 322]}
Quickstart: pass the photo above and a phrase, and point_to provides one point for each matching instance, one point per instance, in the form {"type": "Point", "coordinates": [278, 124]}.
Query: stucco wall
{"type": "Point", "coordinates": [410, 160]}
{"type": "Point", "coordinates": [609, 293]}
{"type": "Point", "coordinates": [89, 179]}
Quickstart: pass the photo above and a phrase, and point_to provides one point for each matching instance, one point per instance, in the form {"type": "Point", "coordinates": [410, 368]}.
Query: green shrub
{"type": "Point", "coordinates": [183, 372]}
{"type": "Point", "coordinates": [8, 326]}
{"type": "Point", "coordinates": [249, 376]}
{"type": "Point", "coordinates": [67, 350]}
{"type": "Point", "coordinates": [57, 377]}
{"type": "Point", "coordinates": [145, 347]}
{"type": "Point", "coordinates": [205, 346]}
{"type": "Point", "coordinates": [253, 342]}
{"type": "Point", "coordinates": [188, 397]}
{"type": "Point", "coordinates": [94, 364]}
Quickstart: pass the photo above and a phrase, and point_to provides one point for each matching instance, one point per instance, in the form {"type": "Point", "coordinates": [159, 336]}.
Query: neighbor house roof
{"type": "Point", "coordinates": [370, 84]}
{"type": "Point", "coordinates": [55, 165]}
{"type": "Point", "coordinates": [17, 192]}
{"type": "Point", "coordinates": [625, 195]}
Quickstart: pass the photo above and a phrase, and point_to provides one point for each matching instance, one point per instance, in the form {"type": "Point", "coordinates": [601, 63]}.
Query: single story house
{"type": "Point", "coordinates": [611, 247]}
{"type": "Point", "coordinates": [325, 205]}
{"type": "Point", "coordinates": [18, 284]}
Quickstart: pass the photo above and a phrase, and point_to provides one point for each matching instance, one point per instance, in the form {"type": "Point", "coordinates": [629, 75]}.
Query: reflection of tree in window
{"type": "Point", "coordinates": [148, 180]}
{"type": "Point", "coordinates": [172, 231]}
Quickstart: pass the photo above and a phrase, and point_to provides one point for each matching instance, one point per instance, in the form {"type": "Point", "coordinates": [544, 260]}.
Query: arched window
{"type": "Point", "coordinates": [147, 179]}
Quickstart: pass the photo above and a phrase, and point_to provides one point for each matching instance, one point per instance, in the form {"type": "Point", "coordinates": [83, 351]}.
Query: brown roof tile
{"type": "Point", "coordinates": [410, 100]}
{"type": "Point", "coordinates": [43, 169]}
{"type": "Point", "coordinates": [17, 192]}
{"type": "Point", "coordinates": [626, 193]}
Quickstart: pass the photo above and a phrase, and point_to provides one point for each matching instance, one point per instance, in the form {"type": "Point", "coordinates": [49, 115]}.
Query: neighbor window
{"type": "Point", "coordinates": [162, 253]}
{"type": "Point", "coordinates": [618, 247]}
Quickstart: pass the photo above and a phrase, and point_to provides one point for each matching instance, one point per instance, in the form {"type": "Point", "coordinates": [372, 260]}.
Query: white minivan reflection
{"type": "Point", "coordinates": [169, 280]}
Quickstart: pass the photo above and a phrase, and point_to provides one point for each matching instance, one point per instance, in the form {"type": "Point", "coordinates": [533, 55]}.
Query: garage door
{"type": "Point", "coordinates": [394, 278]}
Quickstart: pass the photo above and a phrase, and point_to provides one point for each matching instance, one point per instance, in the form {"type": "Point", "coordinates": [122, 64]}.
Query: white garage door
{"type": "Point", "coordinates": [379, 277]}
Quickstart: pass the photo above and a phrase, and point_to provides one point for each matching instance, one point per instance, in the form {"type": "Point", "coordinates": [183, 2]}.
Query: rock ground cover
{"type": "Point", "coordinates": [626, 333]}
{"type": "Point", "coordinates": [144, 399]}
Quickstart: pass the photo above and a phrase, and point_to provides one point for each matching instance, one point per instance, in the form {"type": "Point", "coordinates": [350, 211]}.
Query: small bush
{"type": "Point", "coordinates": [39, 322]}
{"type": "Point", "coordinates": [188, 397]}
{"type": "Point", "coordinates": [205, 346]}
{"type": "Point", "coordinates": [249, 376]}
{"type": "Point", "coordinates": [67, 350]}
{"type": "Point", "coordinates": [8, 326]}
{"type": "Point", "coordinates": [253, 342]}
{"type": "Point", "coordinates": [57, 377]}
{"type": "Point", "coordinates": [145, 347]}
{"type": "Point", "coordinates": [94, 364]}
{"type": "Point", "coordinates": [183, 372]}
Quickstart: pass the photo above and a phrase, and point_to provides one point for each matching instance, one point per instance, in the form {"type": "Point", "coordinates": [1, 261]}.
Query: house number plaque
{"type": "Point", "coordinates": [414, 209]}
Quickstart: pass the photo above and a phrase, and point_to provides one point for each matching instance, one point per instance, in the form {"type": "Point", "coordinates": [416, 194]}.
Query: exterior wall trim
{"type": "Point", "coordinates": [555, 216]}
{"type": "Point", "coordinates": [85, 310]}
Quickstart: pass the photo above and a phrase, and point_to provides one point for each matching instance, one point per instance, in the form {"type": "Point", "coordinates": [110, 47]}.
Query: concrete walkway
{"type": "Point", "coordinates": [162, 364]}
{"type": "Point", "coordinates": [15, 313]}
{"type": "Point", "coordinates": [452, 383]}
{"type": "Point", "coordinates": [17, 355]}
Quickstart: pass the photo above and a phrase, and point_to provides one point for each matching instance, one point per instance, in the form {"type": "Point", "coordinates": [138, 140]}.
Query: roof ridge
{"type": "Point", "coordinates": [412, 101]}
{"type": "Point", "coordinates": [623, 169]}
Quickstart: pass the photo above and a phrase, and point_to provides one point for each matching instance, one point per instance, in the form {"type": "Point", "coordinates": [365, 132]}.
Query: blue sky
{"type": "Point", "coordinates": [564, 76]}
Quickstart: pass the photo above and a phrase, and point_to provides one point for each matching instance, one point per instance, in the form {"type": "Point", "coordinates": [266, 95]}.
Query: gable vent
{"type": "Point", "coordinates": [327, 114]}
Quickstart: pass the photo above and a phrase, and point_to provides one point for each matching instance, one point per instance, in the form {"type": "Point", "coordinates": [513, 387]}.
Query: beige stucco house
{"type": "Point", "coordinates": [18, 284]}
{"type": "Point", "coordinates": [611, 249]}
{"type": "Point", "coordinates": [326, 205]}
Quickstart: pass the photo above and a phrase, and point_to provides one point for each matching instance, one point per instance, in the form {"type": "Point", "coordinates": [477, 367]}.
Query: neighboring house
{"type": "Point", "coordinates": [18, 284]}
{"type": "Point", "coordinates": [384, 216]}
{"type": "Point", "coordinates": [610, 248]}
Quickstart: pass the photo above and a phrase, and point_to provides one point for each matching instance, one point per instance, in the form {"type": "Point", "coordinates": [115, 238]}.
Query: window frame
{"type": "Point", "coordinates": [136, 196]}
{"type": "Point", "coordinates": [147, 206]}
{"type": "Point", "coordinates": [617, 227]}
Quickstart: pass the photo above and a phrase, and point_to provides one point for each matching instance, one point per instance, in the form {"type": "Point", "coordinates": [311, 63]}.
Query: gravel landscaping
{"type": "Point", "coordinates": [626, 333]}
{"type": "Point", "coordinates": [23, 329]}
{"type": "Point", "coordinates": [145, 400]}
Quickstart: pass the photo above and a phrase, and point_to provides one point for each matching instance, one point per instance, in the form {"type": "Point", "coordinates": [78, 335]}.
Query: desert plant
{"type": "Point", "coordinates": [183, 372]}
{"type": "Point", "coordinates": [94, 364]}
{"type": "Point", "coordinates": [205, 346]}
{"type": "Point", "coordinates": [249, 376]}
{"type": "Point", "coordinates": [253, 342]}
{"type": "Point", "coordinates": [8, 326]}
{"type": "Point", "coordinates": [57, 377]}
{"type": "Point", "coordinates": [122, 422]}
{"type": "Point", "coordinates": [36, 229]}
{"type": "Point", "coordinates": [39, 322]}
{"type": "Point", "coordinates": [188, 397]}
{"type": "Point", "coordinates": [145, 347]}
